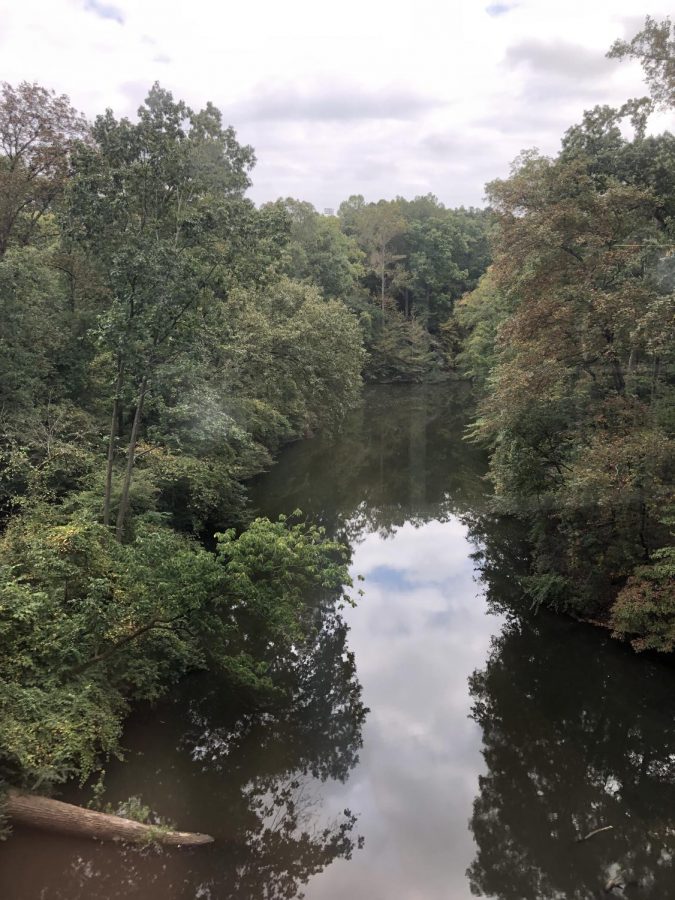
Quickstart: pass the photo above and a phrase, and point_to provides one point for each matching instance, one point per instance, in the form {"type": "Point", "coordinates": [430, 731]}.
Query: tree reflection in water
{"type": "Point", "coordinates": [401, 458]}
{"type": "Point", "coordinates": [253, 779]}
{"type": "Point", "coordinates": [578, 734]}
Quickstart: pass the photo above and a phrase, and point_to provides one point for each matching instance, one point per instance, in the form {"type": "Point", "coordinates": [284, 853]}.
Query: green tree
{"type": "Point", "coordinates": [479, 315]}
{"type": "Point", "coordinates": [296, 359]}
{"type": "Point", "coordinates": [377, 225]}
{"type": "Point", "coordinates": [654, 47]}
{"type": "Point", "coordinates": [152, 201]}
{"type": "Point", "coordinates": [38, 131]}
{"type": "Point", "coordinates": [320, 252]}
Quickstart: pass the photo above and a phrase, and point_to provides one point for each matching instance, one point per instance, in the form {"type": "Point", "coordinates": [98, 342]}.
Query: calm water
{"type": "Point", "coordinates": [436, 746]}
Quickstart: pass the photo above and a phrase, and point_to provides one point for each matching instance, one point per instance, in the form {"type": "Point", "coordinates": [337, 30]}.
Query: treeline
{"type": "Point", "coordinates": [400, 266]}
{"type": "Point", "coordinates": [569, 340]}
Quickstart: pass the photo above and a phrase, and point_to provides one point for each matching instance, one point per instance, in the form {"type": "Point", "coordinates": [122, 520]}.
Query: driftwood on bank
{"type": "Point", "coordinates": [54, 815]}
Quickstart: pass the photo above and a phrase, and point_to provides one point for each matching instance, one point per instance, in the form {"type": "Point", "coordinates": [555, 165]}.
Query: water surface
{"type": "Point", "coordinates": [436, 745]}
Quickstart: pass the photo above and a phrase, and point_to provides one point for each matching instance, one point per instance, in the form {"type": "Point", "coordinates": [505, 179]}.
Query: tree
{"type": "Point", "coordinates": [152, 202]}
{"type": "Point", "coordinates": [320, 252]}
{"type": "Point", "coordinates": [479, 316]}
{"type": "Point", "coordinates": [348, 213]}
{"type": "Point", "coordinates": [377, 225]}
{"type": "Point", "coordinates": [575, 411]}
{"type": "Point", "coordinates": [297, 359]}
{"type": "Point", "coordinates": [654, 47]}
{"type": "Point", "coordinates": [434, 248]}
{"type": "Point", "coordinates": [38, 132]}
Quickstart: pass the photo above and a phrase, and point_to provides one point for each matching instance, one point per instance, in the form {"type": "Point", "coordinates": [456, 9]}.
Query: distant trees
{"type": "Point", "coordinates": [377, 225]}
{"type": "Point", "coordinates": [422, 256]}
{"type": "Point", "coordinates": [400, 265]}
{"type": "Point", "coordinates": [319, 251]}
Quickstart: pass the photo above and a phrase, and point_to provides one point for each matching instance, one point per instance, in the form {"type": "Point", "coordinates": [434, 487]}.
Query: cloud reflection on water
{"type": "Point", "coordinates": [418, 634]}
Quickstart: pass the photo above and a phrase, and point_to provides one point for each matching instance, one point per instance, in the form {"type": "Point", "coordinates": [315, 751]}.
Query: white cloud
{"type": "Point", "coordinates": [343, 98]}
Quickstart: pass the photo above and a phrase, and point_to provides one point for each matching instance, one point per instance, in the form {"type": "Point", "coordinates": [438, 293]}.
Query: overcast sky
{"type": "Point", "coordinates": [358, 96]}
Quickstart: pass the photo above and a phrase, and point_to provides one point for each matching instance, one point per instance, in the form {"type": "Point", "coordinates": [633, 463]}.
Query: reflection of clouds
{"type": "Point", "coordinates": [422, 555]}
{"type": "Point", "coordinates": [418, 633]}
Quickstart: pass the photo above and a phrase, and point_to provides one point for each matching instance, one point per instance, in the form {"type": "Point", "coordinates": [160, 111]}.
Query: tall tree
{"type": "Point", "coordinates": [152, 202]}
{"type": "Point", "coordinates": [38, 131]}
{"type": "Point", "coordinates": [319, 251]}
{"type": "Point", "coordinates": [377, 225]}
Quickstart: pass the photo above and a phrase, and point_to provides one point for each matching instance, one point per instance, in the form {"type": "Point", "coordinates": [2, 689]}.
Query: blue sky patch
{"type": "Point", "coordinates": [104, 10]}
{"type": "Point", "coordinates": [497, 9]}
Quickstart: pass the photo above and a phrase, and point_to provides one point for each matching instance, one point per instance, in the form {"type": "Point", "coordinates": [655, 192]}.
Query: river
{"type": "Point", "coordinates": [440, 743]}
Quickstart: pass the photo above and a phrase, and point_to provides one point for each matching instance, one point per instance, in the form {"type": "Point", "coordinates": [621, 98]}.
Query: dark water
{"type": "Point", "coordinates": [437, 745]}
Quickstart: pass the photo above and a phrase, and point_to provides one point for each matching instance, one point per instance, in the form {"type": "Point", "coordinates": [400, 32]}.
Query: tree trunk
{"type": "Point", "coordinates": [124, 499]}
{"type": "Point", "coordinates": [382, 278]}
{"type": "Point", "coordinates": [53, 815]}
{"type": "Point", "coordinates": [111, 445]}
{"type": "Point", "coordinates": [655, 377]}
{"type": "Point", "coordinates": [615, 365]}
{"type": "Point", "coordinates": [617, 373]}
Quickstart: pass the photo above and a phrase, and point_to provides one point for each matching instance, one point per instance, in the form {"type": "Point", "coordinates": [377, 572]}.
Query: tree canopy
{"type": "Point", "coordinates": [570, 337]}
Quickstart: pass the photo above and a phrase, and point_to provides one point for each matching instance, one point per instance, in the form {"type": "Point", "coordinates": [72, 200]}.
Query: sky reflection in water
{"type": "Point", "coordinates": [417, 636]}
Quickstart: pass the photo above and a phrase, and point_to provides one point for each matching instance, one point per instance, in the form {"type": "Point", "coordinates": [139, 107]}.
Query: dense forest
{"type": "Point", "coordinates": [163, 338]}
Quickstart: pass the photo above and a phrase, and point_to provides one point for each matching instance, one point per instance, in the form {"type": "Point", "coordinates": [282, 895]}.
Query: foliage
{"type": "Point", "coordinates": [88, 623]}
{"type": "Point", "coordinates": [646, 604]}
{"type": "Point", "coordinates": [154, 356]}
{"type": "Point", "coordinates": [420, 259]}
{"type": "Point", "coordinates": [152, 203]}
{"type": "Point", "coordinates": [478, 316]}
{"type": "Point", "coordinates": [297, 357]}
{"type": "Point", "coordinates": [570, 337]}
{"type": "Point", "coordinates": [319, 251]}
{"type": "Point", "coordinates": [654, 46]}
{"type": "Point", "coordinates": [38, 131]}
{"type": "Point", "coordinates": [403, 350]}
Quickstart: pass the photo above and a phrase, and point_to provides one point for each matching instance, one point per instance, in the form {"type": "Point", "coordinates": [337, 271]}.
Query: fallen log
{"type": "Point", "coordinates": [54, 815]}
{"type": "Point", "coordinates": [593, 833]}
